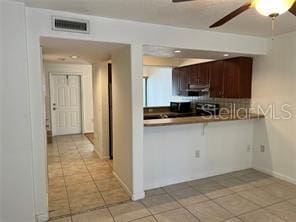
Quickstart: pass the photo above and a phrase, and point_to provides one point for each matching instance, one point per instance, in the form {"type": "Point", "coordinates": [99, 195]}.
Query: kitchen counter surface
{"type": "Point", "coordinates": [201, 119]}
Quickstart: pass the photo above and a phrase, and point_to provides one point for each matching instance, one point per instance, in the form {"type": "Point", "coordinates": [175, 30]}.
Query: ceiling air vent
{"type": "Point", "coordinates": [70, 25]}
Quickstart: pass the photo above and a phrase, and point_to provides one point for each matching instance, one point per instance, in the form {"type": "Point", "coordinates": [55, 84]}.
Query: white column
{"type": "Point", "coordinates": [137, 118]}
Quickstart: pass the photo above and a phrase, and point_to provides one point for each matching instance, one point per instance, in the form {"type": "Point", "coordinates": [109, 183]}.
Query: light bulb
{"type": "Point", "coordinates": [272, 7]}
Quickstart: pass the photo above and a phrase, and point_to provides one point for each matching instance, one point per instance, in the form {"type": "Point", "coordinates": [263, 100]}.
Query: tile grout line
{"type": "Point", "coordinates": [58, 146]}
{"type": "Point", "coordinates": [68, 196]}
{"type": "Point", "coordinates": [99, 192]}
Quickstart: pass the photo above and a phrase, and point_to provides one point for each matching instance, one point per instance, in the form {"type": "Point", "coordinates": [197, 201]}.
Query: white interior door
{"type": "Point", "coordinates": [65, 104]}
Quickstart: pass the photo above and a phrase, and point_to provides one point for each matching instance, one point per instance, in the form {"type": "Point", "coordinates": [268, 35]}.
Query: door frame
{"type": "Point", "coordinates": [80, 75]}
{"type": "Point", "coordinates": [110, 110]}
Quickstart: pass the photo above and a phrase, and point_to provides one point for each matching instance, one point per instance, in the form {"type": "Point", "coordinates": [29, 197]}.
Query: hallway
{"type": "Point", "coordinates": [78, 181]}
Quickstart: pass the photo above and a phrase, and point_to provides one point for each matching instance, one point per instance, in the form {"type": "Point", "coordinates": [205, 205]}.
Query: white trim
{"type": "Point", "coordinates": [276, 174]}
{"type": "Point", "coordinates": [42, 217]}
{"type": "Point", "coordinates": [102, 157]}
{"type": "Point", "coordinates": [138, 196]}
{"type": "Point", "coordinates": [80, 74]}
{"type": "Point", "coordinates": [123, 184]}
{"type": "Point", "coordinates": [179, 179]}
{"type": "Point", "coordinates": [134, 196]}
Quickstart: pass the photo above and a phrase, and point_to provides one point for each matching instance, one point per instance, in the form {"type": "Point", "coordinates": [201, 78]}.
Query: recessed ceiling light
{"type": "Point", "coordinates": [74, 57]}
{"type": "Point", "coordinates": [177, 51]}
{"type": "Point", "coordinates": [226, 55]}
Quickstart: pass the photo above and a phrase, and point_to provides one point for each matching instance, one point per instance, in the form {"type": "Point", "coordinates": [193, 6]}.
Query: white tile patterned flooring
{"type": "Point", "coordinates": [244, 196]}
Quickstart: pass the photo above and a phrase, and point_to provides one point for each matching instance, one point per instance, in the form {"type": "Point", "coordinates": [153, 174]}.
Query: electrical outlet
{"type": "Point", "coordinates": [248, 148]}
{"type": "Point", "coordinates": [197, 154]}
{"type": "Point", "coordinates": [262, 148]}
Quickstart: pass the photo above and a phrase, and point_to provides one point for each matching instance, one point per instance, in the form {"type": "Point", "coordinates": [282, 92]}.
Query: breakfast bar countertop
{"type": "Point", "coordinates": [201, 119]}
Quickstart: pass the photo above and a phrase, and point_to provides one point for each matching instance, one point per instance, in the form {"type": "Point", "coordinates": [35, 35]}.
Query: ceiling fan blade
{"type": "Point", "coordinates": [176, 1]}
{"type": "Point", "coordinates": [233, 14]}
{"type": "Point", "coordinates": [293, 9]}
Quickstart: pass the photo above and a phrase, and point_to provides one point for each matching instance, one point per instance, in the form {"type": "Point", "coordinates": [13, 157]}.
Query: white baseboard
{"type": "Point", "coordinates": [42, 217]}
{"type": "Point", "coordinates": [101, 156]}
{"type": "Point", "coordinates": [123, 185]}
{"type": "Point", "coordinates": [138, 196]}
{"type": "Point", "coordinates": [88, 132]}
{"type": "Point", "coordinates": [276, 174]}
{"type": "Point", "coordinates": [175, 180]}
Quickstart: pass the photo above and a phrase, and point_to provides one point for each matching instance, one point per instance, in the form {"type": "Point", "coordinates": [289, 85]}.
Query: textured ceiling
{"type": "Point", "coordinates": [160, 51]}
{"type": "Point", "coordinates": [88, 52]}
{"type": "Point", "coordinates": [198, 14]}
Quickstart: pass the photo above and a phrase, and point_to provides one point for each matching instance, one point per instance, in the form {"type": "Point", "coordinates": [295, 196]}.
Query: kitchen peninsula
{"type": "Point", "coordinates": [201, 141]}
{"type": "Point", "coordinates": [187, 148]}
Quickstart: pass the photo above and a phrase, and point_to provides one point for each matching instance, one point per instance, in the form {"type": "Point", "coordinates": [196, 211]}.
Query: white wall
{"type": "Point", "coordinates": [122, 115]}
{"type": "Point", "coordinates": [274, 78]}
{"type": "Point", "coordinates": [38, 24]}
{"type": "Point", "coordinates": [159, 85]}
{"type": "Point", "coordinates": [169, 151]}
{"type": "Point", "coordinates": [124, 31]}
{"type": "Point", "coordinates": [86, 89]}
{"type": "Point", "coordinates": [101, 109]}
{"type": "Point", "coordinates": [16, 189]}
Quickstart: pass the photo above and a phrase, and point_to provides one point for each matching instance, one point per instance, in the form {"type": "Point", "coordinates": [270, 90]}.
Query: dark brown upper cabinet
{"type": "Point", "coordinates": [184, 80]}
{"type": "Point", "coordinates": [193, 78]}
{"type": "Point", "coordinates": [216, 79]}
{"type": "Point", "coordinates": [176, 82]}
{"type": "Point", "coordinates": [230, 78]}
{"type": "Point", "coordinates": [237, 80]}
{"type": "Point", "coordinates": [204, 73]}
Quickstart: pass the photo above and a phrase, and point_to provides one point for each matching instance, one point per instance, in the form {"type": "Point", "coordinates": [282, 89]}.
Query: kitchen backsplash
{"type": "Point", "coordinates": [226, 103]}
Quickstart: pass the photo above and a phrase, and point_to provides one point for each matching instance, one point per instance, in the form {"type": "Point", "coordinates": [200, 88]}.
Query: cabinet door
{"type": "Point", "coordinates": [216, 79]}
{"type": "Point", "coordinates": [231, 72]}
{"type": "Point", "coordinates": [204, 73]}
{"type": "Point", "coordinates": [184, 79]}
{"type": "Point", "coordinates": [245, 77]}
{"type": "Point", "coordinates": [193, 74]}
{"type": "Point", "coordinates": [176, 82]}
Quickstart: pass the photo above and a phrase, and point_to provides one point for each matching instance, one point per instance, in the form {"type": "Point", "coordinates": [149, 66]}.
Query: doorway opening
{"type": "Point", "coordinates": [78, 95]}
{"type": "Point", "coordinates": [110, 110]}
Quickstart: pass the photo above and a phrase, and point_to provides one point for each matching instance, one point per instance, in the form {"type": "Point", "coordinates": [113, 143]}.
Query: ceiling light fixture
{"type": "Point", "coordinates": [74, 57]}
{"type": "Point", "coordinates": [226, 55]}
{"type": "Point", "coordinates": [272, 8]}
{"type": "Point", "coordinates": [177, 51]}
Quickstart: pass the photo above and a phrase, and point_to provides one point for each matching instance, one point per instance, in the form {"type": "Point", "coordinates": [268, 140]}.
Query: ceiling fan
{"type": "Point", "coordinates": [271, 8]}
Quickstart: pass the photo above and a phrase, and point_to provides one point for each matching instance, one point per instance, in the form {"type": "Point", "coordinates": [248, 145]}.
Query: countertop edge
{"type": "Point", "coordinates": [198, 120]}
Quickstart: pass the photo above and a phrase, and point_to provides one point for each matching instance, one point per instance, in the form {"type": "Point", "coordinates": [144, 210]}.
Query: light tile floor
{"type": "Point", "coordinates": [244, 196]}
{"type": "Point", "coordinates": [78, 181]}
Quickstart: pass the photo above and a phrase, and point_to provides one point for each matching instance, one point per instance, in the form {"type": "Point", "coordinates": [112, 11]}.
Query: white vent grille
{"type": "Point", "coordinates": [70, 25]}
